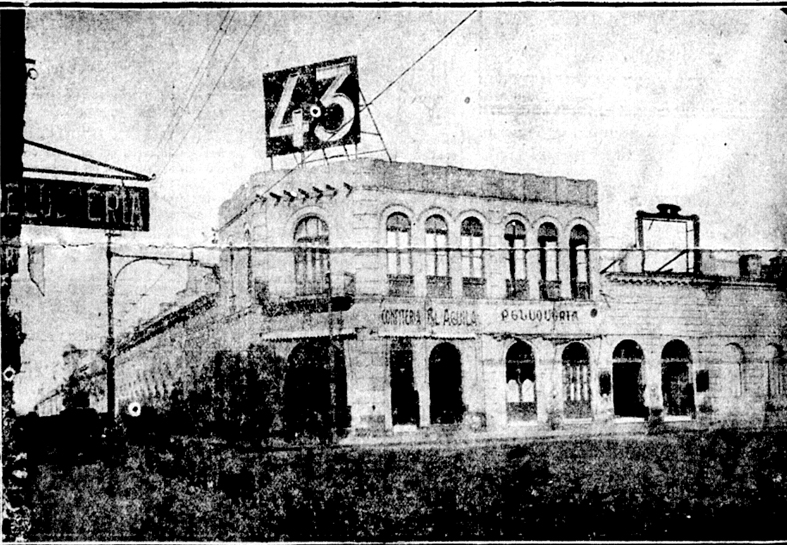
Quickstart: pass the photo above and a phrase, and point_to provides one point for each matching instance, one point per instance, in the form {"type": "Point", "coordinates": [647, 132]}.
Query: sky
{"type": "Point", "coordinates": [656, 104]}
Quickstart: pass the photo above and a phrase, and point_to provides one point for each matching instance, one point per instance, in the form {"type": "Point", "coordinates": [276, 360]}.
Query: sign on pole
{"type": "Point", "coordinates": [58, 203]}
{"type": "Point", "coordinates": [312, 107]}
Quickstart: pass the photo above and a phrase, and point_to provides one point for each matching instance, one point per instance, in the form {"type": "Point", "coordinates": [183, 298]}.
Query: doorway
{"type": "Point", "coordinates": [445, 385]}
{"type": "Point", "coordinates": [628, 393]}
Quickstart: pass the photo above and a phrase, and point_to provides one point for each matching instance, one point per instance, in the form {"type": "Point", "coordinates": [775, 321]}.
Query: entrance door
{"type": "Point", "coordinates": [404, 397]}
{"type": "Point", "coordinates": [676, 386]}
{"type": "Point", "coordinates": [628, 394]}
{"type": "Point", "coordinates": [445, 385]}
{"type": "Point", "coordinates": [576, 381]}
{"type": "Point", "coordinates": [309, 388]}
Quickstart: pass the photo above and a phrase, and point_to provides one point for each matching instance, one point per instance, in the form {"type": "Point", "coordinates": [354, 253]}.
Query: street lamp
{"type": "Point", "coordinates": [111, 280]}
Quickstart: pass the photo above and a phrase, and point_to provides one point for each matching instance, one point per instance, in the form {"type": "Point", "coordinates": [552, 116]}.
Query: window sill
{"type": "Point", "coordinates": [523, 423]}
{"type": "Point", "coordinates": [405, 428]}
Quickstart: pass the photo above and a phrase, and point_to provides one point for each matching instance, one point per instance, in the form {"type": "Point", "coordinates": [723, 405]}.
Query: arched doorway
{"type": "Point", "coordinates": [404, 397]}
{"type": "Point", "coordinates": [676, 385]}
{"type": "Point", "coordinates": [520, 383]}
{"type": "Point", "coordinates": [576, 381]}
{"type": "Point", "coordinates": [628, 393]}
{"type": "Point", "coordinates": [445, 385]}
{"type": "Point", "coordinates": [309, 387]}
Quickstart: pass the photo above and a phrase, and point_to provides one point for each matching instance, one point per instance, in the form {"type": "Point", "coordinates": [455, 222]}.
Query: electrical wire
{"type": "Point", "coordinates": [195, 81]}
{"type": "Point", "coordinates": [212, 91]}
{"type": "Point", "coordinates": [366, 106]}
{"type": "Point", "coordinates": [145, 293]}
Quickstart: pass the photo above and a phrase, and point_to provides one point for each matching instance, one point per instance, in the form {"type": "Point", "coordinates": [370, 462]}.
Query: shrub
{"type": "Point", "coordinates": [238, 398]}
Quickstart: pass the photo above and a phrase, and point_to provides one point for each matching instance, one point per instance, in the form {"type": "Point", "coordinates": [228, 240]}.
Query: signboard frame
{"type": "Point", "coordinates": [307, 108]}
{"type": "Point", "coordinates": [61, 203]}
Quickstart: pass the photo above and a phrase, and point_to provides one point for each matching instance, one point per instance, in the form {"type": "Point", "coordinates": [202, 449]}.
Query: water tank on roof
{"type": "Point", "coordinates": [666, 209]}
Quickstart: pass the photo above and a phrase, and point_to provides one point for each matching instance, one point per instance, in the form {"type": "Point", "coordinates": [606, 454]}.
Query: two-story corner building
{"type": "Point", "coordinates": [476, 297]}
{"type": "Point", "coordinates": [407, 297]}
{"type": "Point", "coordinates": [453, 291]}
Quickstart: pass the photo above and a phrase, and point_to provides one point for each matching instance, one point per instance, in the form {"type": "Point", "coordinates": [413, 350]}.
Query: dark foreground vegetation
{"type": "Point", "coordinates": [719, 485]}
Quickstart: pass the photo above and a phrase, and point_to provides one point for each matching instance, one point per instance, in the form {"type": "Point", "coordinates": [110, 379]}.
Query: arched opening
{"type": "Point", "coordinates": [730, 379]}
{"type": "Point", "coordinates": [677, 388]}
{"type": "Point", "coordinates": [445, 385]}
{"type": "Point", "coordinates": [576, 381]}
{"type": "Point", "coordinates": [311, 256]}
{"type": "Point", "coordinates": [438, 275]}
{"type": "Point", "coordinates": [628, 393]}
{"type": "Point", "coordinates": [311, 381]}
{"type": "Point", "coordinates": [404, 397]}
{"type": "Point", "coordinates": [472, 240]}
{"type": "Point", "coordinates": [516, 282]}
{"type": "Point", "coordinates": [399, 256]}
{"type": "Point", "coordinates": [520, 383]}
{"type": "Point", "coordinates": [777, 371]}
{"type": "Point", "coordinates": [579, 262]}
{"type": "Point", "coordinates": [548, 262]}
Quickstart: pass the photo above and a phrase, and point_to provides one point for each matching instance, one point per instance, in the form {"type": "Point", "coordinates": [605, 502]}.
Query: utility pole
{"type": "Point", "coordinates": [111, 350]}
{"type": "Point", "coordinates": [331, 356]}
{"type": "Point", "coordinates": [110, 340]}
{"type": "Point", "coordinates": [13, 97]}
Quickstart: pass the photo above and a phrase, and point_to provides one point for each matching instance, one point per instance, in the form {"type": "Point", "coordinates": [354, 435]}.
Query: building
{"type": "Point", "coordinates": [410, 297]}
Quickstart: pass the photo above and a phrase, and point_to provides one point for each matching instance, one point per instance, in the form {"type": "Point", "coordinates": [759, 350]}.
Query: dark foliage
{"type": "Point", "coordinates": [237, 398]}
{"type": "Point", "coordinates": [712, 486]}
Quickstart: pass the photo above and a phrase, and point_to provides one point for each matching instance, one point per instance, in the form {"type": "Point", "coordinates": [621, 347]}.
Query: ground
{"type": "Point", "coordinates": [712, 485]}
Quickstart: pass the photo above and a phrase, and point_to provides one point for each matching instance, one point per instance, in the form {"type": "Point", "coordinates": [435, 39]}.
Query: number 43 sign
{"type": "Point", "coordinates": [312, 107]}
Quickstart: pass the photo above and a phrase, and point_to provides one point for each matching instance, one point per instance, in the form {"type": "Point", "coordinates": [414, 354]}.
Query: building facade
{"type": "Point", "coordinates": [409, 297]}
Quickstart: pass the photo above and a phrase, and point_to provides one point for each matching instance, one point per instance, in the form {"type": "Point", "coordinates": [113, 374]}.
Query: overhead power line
{"type": "Point", "coordinates": [441, 40]}
{"type": "Point", "coordinates": [144, 293]}
{"type": "Point", "coordinates": [378, 95]}
{"type": "Point", "coordinates": [199, 74]}
{"type": "Point", "coordinates": [212, 91]}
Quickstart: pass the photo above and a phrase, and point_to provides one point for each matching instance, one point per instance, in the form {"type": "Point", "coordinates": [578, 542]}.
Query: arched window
{"type": "Point", "coordinates": [516, 283]}
{"type": "Point", "coordinates": [729, 379]}
{"type": "Point", "coordinates": [438, 279]}
{"type": "Point", "coordinates": [628, 394]}
{"type": "Point", "coordinates": [576, 381]}
{"type": "Point", "coordinates": [472, 233]}
{"type": "Point", "coordinates": [548, 262]}
{"type": "Point", "coordinates": [777, 371]}
{"type": "Point", "coordinates": [311, 256]}
{"type": "Point", "coordinates": [400, 261]}
{"type": "Point", "coordinates": [520, 383]}
{"type": "Point", "coordinates": [677, 388]}
{"type": "Point", "coordinates": [579, 262]}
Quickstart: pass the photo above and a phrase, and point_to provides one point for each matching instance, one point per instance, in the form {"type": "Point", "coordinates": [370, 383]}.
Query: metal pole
{"type": "Point", "coordinates": [110, 340]}
{"type": "Point", "coordinates": [640, 239]}
{"type": "Point", "coordinates": [331, 354]}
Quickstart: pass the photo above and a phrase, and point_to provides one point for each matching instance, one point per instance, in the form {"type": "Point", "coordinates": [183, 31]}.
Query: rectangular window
{"type": "Point", "coordinates": [518, 260]}
{"type": "Point", "coordinates": [442, 255]}
{"type": "Point", "coordinates": [393, 255]}
{"type": "Point", "coordinates": [582, 264]}
{"type": "Point", "coordinates": [472, 260]}
{"type": "Point", "coordinates": [550, 261]}
{"type": "Point", "coordinates": [405, 261]}
{"type": "Point", "coordinates": [431, 258]}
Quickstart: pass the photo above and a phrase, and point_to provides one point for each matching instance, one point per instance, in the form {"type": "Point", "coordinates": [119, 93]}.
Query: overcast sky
{"type": "Point", "coordinates": [657, 105]}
